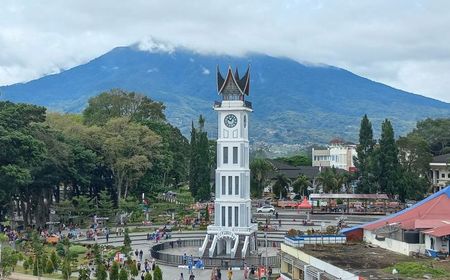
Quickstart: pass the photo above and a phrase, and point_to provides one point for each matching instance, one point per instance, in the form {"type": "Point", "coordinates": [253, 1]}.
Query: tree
{"type": "Point", "coordinates": [68, 258]}
{"type": "Point", "coordinates": [389, 168]}
{"type": "Point", "coordinates": [114, 274]}
{"type": "Point", "coordinates": [127, 241]}
{"type": "Point", "coordinates": [101, 272]}
{"type": "Point", "coordinates": [133, 270]}
{"type": "Point", "coordinates": [297, 160]}
{"type": "Point", "coordinates": [364, 160]}
{"type": "Point", "coordinates": [301, 184]}
{"type": "Point", "coordinates": [83, 274]}
{"type": "Point", "coordinates": [200, 167]}
{"type": "Point", "coordinates": [104, 204]}
{"type": "Point", "coordinates": [9, 261]}
{"type": "Point", "coordinates": [281, 185]}
{"type": "Point", "coordinates": [49, 267]}
{"type": "Point", "coordinates": [55, 260]}
{"type": "Point", "coordinates": [436, 132]}
{"type": "Point", "coordinates": [128, 150]}
{"type": "Point", "coordinates": [118, 103]}
{"type": "Point", "coordinates": [259, 170]}
{"type": "Point", "coordinates": [327, 178]}
{"type": "Point", "coordinates": [157, 274]}
{"type": "Point", "coordinates": [123, 274]}
{"type": "Point", "coordinates": [148, 276]}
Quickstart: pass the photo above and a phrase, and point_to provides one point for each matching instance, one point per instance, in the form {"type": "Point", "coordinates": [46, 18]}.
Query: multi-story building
{"type": "Point", "coordinates": [338, 154]}
{"type": "Point", "coordinates": [440, 172]}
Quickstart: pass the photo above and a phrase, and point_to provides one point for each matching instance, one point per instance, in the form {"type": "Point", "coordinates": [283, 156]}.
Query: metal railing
{"type": "Point", "coordinates": [222, 262]}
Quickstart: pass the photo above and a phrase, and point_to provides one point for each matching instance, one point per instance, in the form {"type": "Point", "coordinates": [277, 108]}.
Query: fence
{"type": "Point", "coordinates": [222, 262]}
{"type": "Point", "coordinates": [300, 241]}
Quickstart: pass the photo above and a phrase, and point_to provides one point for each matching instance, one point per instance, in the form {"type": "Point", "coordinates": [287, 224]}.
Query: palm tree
{"type": "Point", "coordinates": [281, 185]}
{"type": "Point", "coordinates": [327, 179]}
{"type": "Point", "coordinates": [301, 184]}
{"type": "Point", "coordinates": [260, 168]}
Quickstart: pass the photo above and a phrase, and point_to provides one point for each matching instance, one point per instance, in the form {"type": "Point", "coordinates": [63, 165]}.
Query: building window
{"type": "Point", "coordinates": [230, 185]}
{"type": "Point", "coordinates": [235, 155]}
{"type": "Point", "coordinates": [223, 216]}
{"type": "Point", "coordinates": [230, 216]}
{"type": "Point", "coordinates": [236, 216]}
{"type": "Point", "coordinates": [224, 185]}
{"type": "Point", "coordinates": [443, 175]}
{"type": "Point", "coordinates": [225, 155]}
{"type": "Point", "coordinates": [448, 175]}
{"type": "Point", "coordinates": [236, 185]}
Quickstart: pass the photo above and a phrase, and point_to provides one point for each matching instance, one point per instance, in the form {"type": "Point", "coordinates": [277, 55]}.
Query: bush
{"type": "Point", "coordinates": [55, 260]}
{"type": "Point", "coordinates": [60, 249]}
{"type": "Point", "coordinates": [123, 275]}
{"type": "Point", "coordinates": [157, 274]}
{"type": "Point", "coordinates": [417, 269]}
{"type": "Point", "coordinates": [101, 272]}
{"type": "Point", "coordinates": [49, 267]}
{"type": "Point", "coordinates": [114, 275]}
{"type": "Point", "coordinates": [77, 249]}
{"type": "Point", "coordinates": [26, 265]}
{"type": "Point", "coordinates": [148, 276]}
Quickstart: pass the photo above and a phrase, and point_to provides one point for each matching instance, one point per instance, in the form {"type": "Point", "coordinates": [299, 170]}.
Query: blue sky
{"type": "Point", "coordinates": [405, 44]}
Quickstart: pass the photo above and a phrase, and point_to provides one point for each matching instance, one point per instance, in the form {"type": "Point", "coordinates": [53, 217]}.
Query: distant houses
{"type": "Point", "coordinates": [440, 172]}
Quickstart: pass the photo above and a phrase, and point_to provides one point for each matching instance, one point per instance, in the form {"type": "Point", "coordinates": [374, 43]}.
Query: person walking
{"type": "Point", "coordinates": [181, 276]}
{"type": "Point", "coordinates": [141, 254]}
{"type": "Point", "coordinates": [229, 274]}
{"type": "Point", "coordinates": [192, 277]}
{"type": "Point", "coordinates": [245, 271]}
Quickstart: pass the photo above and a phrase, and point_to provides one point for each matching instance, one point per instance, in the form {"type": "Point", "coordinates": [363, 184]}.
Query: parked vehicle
{"type": "Point", "coordinates": [266, 209]}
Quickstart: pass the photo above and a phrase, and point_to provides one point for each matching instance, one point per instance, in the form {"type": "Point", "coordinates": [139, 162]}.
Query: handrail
{"type": "Point", "coordinates": [234, 249]}
{"type": "Point", "coordinates": [244, 248]}
{"type": "Point", "coordinates": [205, 243]}
{"type": "Point", "coordinates": [213, 246]}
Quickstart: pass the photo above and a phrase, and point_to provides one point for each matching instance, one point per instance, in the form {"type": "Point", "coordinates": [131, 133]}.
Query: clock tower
{"type": "Point", "coordinates": [232, 234]}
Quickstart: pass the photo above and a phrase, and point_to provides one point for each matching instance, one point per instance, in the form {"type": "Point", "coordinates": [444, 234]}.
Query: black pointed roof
{"type": "Point", "coordinates": [233, 82]}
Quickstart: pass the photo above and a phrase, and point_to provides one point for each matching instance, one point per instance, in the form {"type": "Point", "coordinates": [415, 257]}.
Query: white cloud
{"type": "Point", "coordinates": [205, 71]}
{"type": "Point", "coordinates": [403, 43]}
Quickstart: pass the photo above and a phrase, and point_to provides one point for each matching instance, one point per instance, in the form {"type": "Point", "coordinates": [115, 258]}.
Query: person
{"type": "Point", "coordinates": [184, 258]}
{"type": "Point", "coordinates": [269, 272]}
{"type": "Point", "coordinates": [139, 266]}
{"type": "Point", "coordinates": [136, 253]}
{"type": "Point", "coordinates": [252, 270]}
{"type": "Point", "coordinates": [276, 215]}
{"type": "Point", "coordinates": [213, 273]}
{"type": "Point", "coordinates": [181, 276]}
{"type": "Point", "coordinates": [279, 223]}
{"type": "Point", "coordinates": [117, 231]}
{"type": "Point", "coordinates": [245, 271]}
{"type": "Point", "coordinates": [230, 274]}
{"type": "Point", "coordinates": [107, 235]}
{"type": "Point", "coordinates": [142, 276]}
{"type": "Point", "coordinates": [219, 274]}
{"type": "Point", "coordinates": [192, 277]}
{"type": "Point", "coordinates": [141, 254]}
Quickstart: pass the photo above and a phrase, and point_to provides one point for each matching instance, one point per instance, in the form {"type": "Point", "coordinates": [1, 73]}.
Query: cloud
{"type": "Point", "coordinates": [205, 71]}
{"type": "Point", "coordinates": [402, 43]}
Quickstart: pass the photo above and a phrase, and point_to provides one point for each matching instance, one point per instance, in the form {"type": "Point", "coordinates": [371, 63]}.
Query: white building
{"type": "Point", "coordinates": [233, 234]}
{"type": "Point", "coordinates": [440, 172]}
{"type": "Point", "coordinates": [337, 154]}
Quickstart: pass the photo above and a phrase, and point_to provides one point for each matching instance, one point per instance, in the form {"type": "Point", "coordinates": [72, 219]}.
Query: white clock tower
{"type": "Point", "coordinates": [233, 234]}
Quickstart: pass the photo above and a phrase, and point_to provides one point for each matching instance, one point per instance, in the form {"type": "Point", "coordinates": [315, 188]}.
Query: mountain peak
{"type": "Point", "coordinates": [294, 103]}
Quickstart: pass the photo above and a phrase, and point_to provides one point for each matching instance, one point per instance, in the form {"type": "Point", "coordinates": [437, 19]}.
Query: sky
{"type": "Point", "coordinates": [403, 43]}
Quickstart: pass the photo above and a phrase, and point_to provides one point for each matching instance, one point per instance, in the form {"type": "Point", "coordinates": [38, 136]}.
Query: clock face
{"type": "Point", "coordinates": [230, 120]}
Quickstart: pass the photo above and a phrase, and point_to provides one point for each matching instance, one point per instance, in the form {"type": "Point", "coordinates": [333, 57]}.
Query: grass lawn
{"type": "Point", "coordinates": [419, 269]}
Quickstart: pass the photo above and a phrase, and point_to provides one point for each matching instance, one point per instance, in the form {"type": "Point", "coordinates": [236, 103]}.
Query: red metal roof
{"type": "Point", "coordinates": [439, 231]}
{"type": "Point", "coordinates": [428, 213]}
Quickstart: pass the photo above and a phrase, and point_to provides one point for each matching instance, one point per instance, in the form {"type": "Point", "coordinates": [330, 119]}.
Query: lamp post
{"type": "Point", "coordinates": [265, 237]}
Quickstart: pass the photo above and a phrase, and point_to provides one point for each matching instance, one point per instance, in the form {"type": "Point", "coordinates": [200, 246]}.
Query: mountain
{"type": "Point", "coordinates": [293, 103]}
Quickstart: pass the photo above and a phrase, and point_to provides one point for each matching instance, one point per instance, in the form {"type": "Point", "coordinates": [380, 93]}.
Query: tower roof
{"type": "Point", "coordinates": [232, 83]}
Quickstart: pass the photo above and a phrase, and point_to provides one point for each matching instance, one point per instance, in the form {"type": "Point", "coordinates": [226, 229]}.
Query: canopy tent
{"type": "Point", "coordinates": [304, 204]}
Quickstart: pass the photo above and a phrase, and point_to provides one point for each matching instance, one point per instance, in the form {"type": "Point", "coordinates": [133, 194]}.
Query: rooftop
{"type": "Point", "coordinates": [441, 159]}
{"type": "Point", "coordinates": [364, 260]}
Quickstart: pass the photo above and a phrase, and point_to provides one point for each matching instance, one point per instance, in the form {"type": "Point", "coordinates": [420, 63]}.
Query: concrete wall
{"type": "Point", "coordinates": [439, 244]}
{"type": "Point", "coordinates": [394, 245]}
{"type": "Point", "coordinates": [319, 264]}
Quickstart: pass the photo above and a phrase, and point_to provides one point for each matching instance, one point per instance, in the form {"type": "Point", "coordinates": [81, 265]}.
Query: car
{"type": "Point", "coordinates": [266, 209]}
